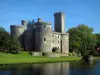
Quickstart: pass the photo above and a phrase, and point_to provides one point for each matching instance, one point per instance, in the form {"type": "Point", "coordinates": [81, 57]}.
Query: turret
{"type": "Point", "coordinates": [17, 33]}
{"type": "Point", "coordinates": [24, 22]}
{"type": "Point", "coordinates": [65, 43]}
{"type": "Point", "coordinates": [39, 20]}
{"type": "Point", "coordinates": [43, 36]}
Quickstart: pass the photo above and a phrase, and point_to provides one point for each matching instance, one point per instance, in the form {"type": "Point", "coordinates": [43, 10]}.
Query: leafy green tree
{"type": "Point", "coordinates": [14, 46]}
{"type": "Point", "coordinates": [97, 47]}
{"type": "Point", "coordinates": [7, 44]}
{"type": "Point", "coordinates": [81, 39]}
{"type": "Point", "coordinates": [4, 38]}
{"type": "Point", "coordinates": [98, 40]}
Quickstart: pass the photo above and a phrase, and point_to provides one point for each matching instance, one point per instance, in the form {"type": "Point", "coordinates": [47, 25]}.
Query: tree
{"type": "Point", "coordinates": [97, 47]}
{"type": "Point", "coordinates": [7, 44]}
{"type": "Point", "coordinates": [4, 38]}
{"type": "Point", "coordinates": [14, 46]}
{"type": "Point", "coordinates": [81, 39]}
{"type": "Point", "coordinates": [98, 40]}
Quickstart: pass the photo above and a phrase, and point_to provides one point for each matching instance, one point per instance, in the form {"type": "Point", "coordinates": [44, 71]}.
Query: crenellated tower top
{"type": "Point", "coordinates": [59, 13]}
{"type": "Point", "coordinates": [59, 20]}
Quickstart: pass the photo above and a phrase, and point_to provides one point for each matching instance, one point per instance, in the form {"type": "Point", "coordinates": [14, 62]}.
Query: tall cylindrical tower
{"type": "Point", "coordinates": [59, 22]}
{"type": "Point", "coordinates": [65, 43]}
{"type": "Point", "coordinates": [17, 32]}
{"type": "Point", "coordinates": [43, 36]}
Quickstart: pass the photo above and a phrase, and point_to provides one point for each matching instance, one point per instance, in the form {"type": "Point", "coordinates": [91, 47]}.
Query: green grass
{"type": "Point", "coordinates": [24, 57]}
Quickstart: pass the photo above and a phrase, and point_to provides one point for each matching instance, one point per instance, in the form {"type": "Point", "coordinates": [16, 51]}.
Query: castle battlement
{"type": "Point", "coordinates": [16, 26]}
{"type": "Point", "coordinates": [56, 33]}
{"type": "Point", "coordinates": [65, 34]}
{"type": "Point", "coordinates": [24, 20]}
{"type": "Point", "coordinates": [59, 13]}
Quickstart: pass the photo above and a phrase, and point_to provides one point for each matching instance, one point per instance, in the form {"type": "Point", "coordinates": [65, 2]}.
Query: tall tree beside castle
{"type": "Point", "coordinates": [4, 38]}
{"type": "Point", "coordinates": [7, 44]}
{"type": "Point", "coordinates": [81, 39]}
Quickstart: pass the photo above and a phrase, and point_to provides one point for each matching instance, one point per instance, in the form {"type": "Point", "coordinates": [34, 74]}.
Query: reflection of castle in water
{"type": "Point", "coordinates": [56, 68]}
{"type": "Point", "coordinates": [60, 68]}
{"type": "Point", "coordinates": [38, 69]}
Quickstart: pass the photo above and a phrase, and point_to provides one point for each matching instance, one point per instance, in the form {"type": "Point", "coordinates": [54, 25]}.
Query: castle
{"type": "Point", "coordinates": [39, 36]}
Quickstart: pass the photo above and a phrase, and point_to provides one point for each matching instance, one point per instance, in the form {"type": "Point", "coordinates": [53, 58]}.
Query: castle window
{"type": "Point", "coordinates": [44, 26]}
{"type": "Point", "coordinates": [44, 39]}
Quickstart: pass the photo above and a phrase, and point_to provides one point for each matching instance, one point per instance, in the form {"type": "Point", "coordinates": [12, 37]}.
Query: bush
{"type": "Point", "coordinates": [70, 54]}
{"type": "Point", "coordinates": [44, 53]}
{"type": "Point", "coordinates": [14, 46]}
{"type": "Point", "coordinates": [30, 53]}
{"type": "Point", "coordinates": [74, 54]}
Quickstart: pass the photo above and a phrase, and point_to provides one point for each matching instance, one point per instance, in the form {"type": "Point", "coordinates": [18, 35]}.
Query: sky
{"type": "Point", "coordinates": [76, 12]}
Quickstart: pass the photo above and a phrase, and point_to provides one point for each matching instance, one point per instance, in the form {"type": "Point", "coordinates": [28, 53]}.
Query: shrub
{"type": "Point", "coordinates": [44, 53]}
{"type": "Point", "coordinates": [70, 54]}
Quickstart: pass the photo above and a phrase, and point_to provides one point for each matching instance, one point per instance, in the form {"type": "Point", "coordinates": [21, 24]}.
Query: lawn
{"type": "Point", "coordinates": [24, 57]}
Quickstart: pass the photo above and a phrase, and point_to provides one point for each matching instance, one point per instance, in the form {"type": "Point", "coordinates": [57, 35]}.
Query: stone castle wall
{"type": "Point", "coordinates": [43, 38]}
{"type": "Point", "coordinates": [17, 32]}
{"type": "Point", "coordinates": [56, 41]}
{"type": "Point", "coordinates": [40, 37]}
{"type": "Point", "coordinates": [65, 43]}
{"type": "Point", "coordinates": [29, 39]}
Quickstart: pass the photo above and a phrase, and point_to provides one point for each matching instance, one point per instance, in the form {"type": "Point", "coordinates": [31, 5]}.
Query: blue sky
{"type": "Point", "coordinates": [77, 12]}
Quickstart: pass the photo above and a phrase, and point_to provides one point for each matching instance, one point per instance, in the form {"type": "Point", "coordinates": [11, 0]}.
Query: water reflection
{"type": "Point", "coordinates": [63, 68]}
{"type": "Point", "coordinates": [36, 69]}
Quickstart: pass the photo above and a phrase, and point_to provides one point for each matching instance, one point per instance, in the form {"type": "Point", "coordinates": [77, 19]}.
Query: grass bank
{"type": "Point", "coordinates": [24, 57]}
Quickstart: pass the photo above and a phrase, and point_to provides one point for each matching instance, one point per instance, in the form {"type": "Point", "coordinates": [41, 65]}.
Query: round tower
{"type": "Point", "coordinates": [65, 43]}
{"type": "Point", "coordinates": [17, 32]}
{"type": "Point", "coordinates": [43, 36]}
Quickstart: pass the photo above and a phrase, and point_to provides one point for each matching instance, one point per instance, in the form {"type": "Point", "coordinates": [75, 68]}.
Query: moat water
{"type": "Point", "coordinates": [61, 68]}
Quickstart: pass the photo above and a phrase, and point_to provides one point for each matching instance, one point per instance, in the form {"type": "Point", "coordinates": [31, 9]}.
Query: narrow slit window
{"type": "Point", "coordinates": [44, 39]}
{"type": "Point", "coordinates": [44, 26]}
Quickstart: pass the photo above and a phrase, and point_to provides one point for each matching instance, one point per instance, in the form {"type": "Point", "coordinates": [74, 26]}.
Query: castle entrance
{"type": "Point", "coordinates": [55, 49]}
